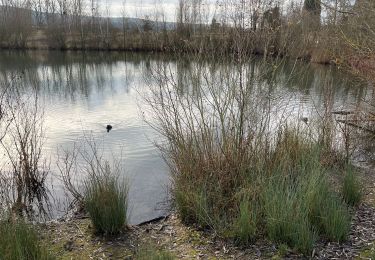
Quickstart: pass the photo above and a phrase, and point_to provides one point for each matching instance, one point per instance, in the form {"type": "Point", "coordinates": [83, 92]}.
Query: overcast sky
{"type": "Point", "coordinates": [141, 8]}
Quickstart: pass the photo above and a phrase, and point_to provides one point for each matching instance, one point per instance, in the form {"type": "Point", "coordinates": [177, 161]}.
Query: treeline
{"type": "Point", "coordinates": [324, 31]}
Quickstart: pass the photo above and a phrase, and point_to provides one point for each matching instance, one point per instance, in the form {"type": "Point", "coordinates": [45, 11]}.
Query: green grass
{"type": "Point", "coordinates": [19, 241]}
{"type": "Point", "coordinates": [192, 206]}
{"type": "Point", "coordinates": [245, 226]}
{"type": "Point", "coordinates": [351, 189]}
{"type": "Point", "coordinates": [334, 218]}
{"type": "Point", "coordinates": [151, 253]}
{"type": "Point", "coordinates": [105, 200]}
{"type": "Point", "coordinates": [327, 211]}
{"type": "Point", "coordinates": [286, 215]}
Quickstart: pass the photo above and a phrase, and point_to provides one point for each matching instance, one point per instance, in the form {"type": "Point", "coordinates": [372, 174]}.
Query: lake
{"type": "Point", "coordinates": [84, 92]}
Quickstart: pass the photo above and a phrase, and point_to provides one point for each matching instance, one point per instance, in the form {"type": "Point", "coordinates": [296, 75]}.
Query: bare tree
{"type": "Point", "coordinates": [23, 145]}
{"type": "Point", "coordinates": [16, 23]}
{"type": "Point", "coordinates": [313, 11]}
{"type": "Point", "coordinates": [124, 24]}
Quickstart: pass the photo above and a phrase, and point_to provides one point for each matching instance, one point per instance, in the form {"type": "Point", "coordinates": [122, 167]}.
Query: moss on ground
{"type": "Point", "coordinates": [75, 240]}
{"type": "Point", "coordinates": [367, 253]}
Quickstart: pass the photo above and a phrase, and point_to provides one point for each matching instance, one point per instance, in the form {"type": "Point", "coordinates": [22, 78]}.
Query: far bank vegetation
{"type": "Point", "coordinates": [339, 31]}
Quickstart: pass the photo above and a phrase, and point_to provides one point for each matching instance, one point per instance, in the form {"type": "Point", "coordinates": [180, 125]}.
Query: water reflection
{"type": "Point", "coordinates": [84, 92]}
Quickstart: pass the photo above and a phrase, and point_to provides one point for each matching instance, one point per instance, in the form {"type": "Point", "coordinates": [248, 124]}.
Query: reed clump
{"type": "Point", "coordinates": [100, 191]}
{"type": "Point", "coordinates": [286, 187]}
{"type": "Point", "coordinates": [351, 189]}
{"type": "Point", "coordinates": [236, 171]}
{"type": "Point", "coordinates": [19, 240]}
{"type": "Point", "coordinates": [105, 199]}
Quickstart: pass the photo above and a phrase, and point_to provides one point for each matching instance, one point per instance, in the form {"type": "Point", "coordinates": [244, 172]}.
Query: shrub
{"type": "Point", "coordinates": [19, 241]}
{"type": "Point", "coordinates": [221, 148]}
{"type": "Point", "coordinates": [351, 189]}
{"type": "Point", "coordinates": [296, 199]}
{"type": "Point", "coordinates": [105, 199]}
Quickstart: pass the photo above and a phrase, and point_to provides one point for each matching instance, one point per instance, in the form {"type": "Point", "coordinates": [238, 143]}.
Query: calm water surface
{"type": "Point", "coordinates": [83, 92]}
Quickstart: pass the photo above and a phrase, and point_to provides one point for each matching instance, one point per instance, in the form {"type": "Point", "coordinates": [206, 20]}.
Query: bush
{"type": "Point", "coordinates": [351, 189]}
{"type": "Point", "coordinates": [18, 241]}
{"type": "Point", "coordinates": [296, 199]}
{"type": "Point", "coordinates": [221, 149]}
{"type": "Point", "coordinates": [105, 200]}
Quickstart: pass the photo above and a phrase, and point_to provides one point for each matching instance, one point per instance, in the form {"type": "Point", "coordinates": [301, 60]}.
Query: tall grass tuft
{"type": "Point", "coordinates": [105, 199]}
{"type": "Point", "coordinates": [286, 214]}
{"type": "Point", "coordinates": [299, 203]}
{"type": "Point", "coordinates": [351, 189]}
{"type": "Point", "coordinates": [99, 191]}
{"type": "Point", "coordinates": [193, 207]}
{"type": "Point", "coordinates": [245, 226]}
{"type": "Point", "coordinates": [328, 212]}
{"type": "Point", "coordinates": [335, 219]}
{"type": "Point", "coordinates": [20, 241]}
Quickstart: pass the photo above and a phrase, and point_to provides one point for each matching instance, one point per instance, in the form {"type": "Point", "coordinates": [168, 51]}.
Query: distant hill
{"type": "Point", "coordinates": [133, 23]}
{"type": "Point", "coordinates": [117, 22]}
